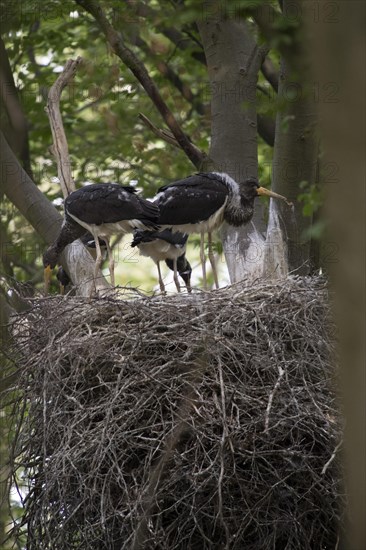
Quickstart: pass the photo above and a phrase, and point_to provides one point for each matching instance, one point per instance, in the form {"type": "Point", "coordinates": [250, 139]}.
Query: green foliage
{"type": "Point", "coordinates": [107, 140]}
{"type": "Point", "coordinates": [312, 198]}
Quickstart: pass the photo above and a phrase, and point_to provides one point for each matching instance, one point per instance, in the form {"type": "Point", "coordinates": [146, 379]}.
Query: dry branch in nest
{"type": "Point", "coordinates": [206, 421]}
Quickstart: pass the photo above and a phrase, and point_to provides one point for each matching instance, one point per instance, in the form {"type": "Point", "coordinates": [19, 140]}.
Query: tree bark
{"type": "Point", "coordinates": [338, 51]}
{"type": "Point", "coordinates": [233, 61]}
{"type": "Point", "coordinates": [18, 131]}
{"type": "Point", "coordinates": [294, 161]}
{"type": "Point", "coordinates": [39, 212]}
{"type": "Point", "coordinates": [296, 141]}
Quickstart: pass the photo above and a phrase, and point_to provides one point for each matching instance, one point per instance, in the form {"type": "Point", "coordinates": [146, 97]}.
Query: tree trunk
{"type": "Point", "coordinates": [295, 161]}
{"type": "Point", "coordinates": [18, 130]}
{"type": "Point", "coordinates": [338, 48]}
{"type": "Point", "coordinates": [233, 61]}
{"type": "Point", "coordinates": [39, 212]}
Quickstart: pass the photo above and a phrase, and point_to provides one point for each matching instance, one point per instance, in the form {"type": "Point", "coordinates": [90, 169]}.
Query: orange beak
{"type": "Point", "coordinates": [47, 274]}
{"type": "Point", "coordinates": [263, 191]}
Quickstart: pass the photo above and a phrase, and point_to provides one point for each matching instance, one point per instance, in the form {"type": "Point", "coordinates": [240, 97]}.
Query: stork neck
{"type": "Point", "coordinates": [69, 232]}
{"type": "Point", "coordinates": [239, 210]}
{"type": "Point", "coordinates": [232, 186]}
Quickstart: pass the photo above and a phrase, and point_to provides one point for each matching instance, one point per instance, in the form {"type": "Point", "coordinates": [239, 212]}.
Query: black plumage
{"type": "Point", "coordinates": [107, 203]}
{"type": "Point", "coordinates": [62, 278]}
{"type": "Point", "coordinates": [202, 202]}
{"type": "Point", "coordinates": [207, 200]}
{"type": "Point", "coordinates": [104, 210]}
{"type": "Point", "coordinates": [169, 247]}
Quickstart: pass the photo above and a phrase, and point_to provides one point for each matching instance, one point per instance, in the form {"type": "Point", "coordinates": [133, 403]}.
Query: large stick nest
{"type": "Point", "coordinates": [185, 422]}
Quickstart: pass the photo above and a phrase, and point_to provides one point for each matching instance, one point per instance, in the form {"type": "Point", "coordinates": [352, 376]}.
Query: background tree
{"type": "Point", "coordinates": [220, 114]}
{"type": "Point", "coordinates": [338, 50]}
{"type": "Point", "coordinates": [212, 71]}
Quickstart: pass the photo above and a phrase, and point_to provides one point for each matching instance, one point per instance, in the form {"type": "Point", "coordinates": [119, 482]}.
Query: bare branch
{"type": "Point", "coordinates": [177, 38]}
{"type": "Point", "coordinates": [162, 134]}
{"type": "Point", "coordinates": [171, 75]}
{"type": "Point", "coordinates": [273, 25]}
{"type": "Point", "coordinates": [266, 129]}
{"type": "Point", "coordinates": [60, 148]}
{"type": "Point", "coordinates": [43, 90]}
{"type": "Point", "coordinates": [139, 70]}
{"type": "Point", "coordinates": [270, 73]}
{"type": "Point", "coordinates": [25, 195]}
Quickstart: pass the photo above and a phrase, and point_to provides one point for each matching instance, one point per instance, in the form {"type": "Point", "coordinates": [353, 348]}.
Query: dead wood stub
{"type": "Point", "coordinates": [202, 421]}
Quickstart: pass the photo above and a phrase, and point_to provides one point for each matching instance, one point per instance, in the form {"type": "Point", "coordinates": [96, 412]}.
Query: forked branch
{"type": "Point", "coordinates": [60, 148]}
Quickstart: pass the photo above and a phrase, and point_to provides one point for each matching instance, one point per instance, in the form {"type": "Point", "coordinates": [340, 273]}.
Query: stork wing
{"type": "Point", "coordinates": [109, 203]}
{"type": "Point", "coordinates": [191, 200]}
{"type": "Point", "coordinates": [176, 239]}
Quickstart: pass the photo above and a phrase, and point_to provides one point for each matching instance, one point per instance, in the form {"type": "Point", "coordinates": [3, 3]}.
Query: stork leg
{"type": "Point", "coordinates": [203, 259]}
{"type": "Point", "coordinates": [176, 280]}
{"type": "Point", "coordinates": [98, 264]}
{"type": "Point", "coordinates": [161, 283]}
{"type": "Point", "coordinates": [110, 260]}
{"type": "Point", "coordinates": [212, 260]}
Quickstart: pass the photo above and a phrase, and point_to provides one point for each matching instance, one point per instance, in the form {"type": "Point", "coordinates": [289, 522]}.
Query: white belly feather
{"type": "Point", "coordinates": [109, 229]}
{"type": "Point", "coordinates": [159, 250]}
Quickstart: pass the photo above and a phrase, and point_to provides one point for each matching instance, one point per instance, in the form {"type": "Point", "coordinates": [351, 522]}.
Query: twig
{"type": "Point", "coordinates": [327, 464]}
{"type": "Point", "coordinates": [270, 73]}
{"type": "Point", "coordinates": [151, 441]}
{"type": "Point", "coordinates": [162, 134]}
{"type": "Point", "coordinates": [281, 372]}
{"type": "Point", "coordinates": [166, 70]}
{"type": "Point", "coordinates": [171, 443]}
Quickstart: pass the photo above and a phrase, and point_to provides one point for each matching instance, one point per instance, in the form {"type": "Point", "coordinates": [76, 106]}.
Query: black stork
{"type": "Point", "coordinates": [103, 209]}
{"type": "Point", "coordinates": [202, 202]}
{"type": "Point", "coordinates": [169, 247]}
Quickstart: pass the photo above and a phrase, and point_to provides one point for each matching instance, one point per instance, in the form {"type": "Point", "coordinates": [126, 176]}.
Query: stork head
{"type": "Point", "coordinates": [184, 269]}
{"type": "Point", "coordinates": [249, 189]}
